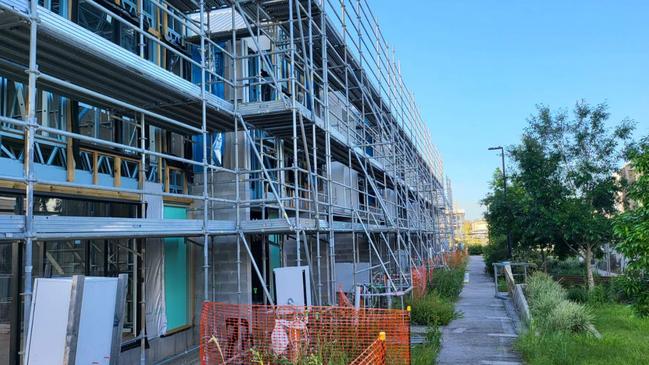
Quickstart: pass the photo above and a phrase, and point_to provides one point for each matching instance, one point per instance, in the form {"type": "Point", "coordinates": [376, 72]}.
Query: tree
{"type": "Point", "coordinates": [592, 153]}
{"type": "Point", "coordinates": [632, 228]}
{"type": "Point", "coordinates": [501, 215]}
{"type": "Point", "coordinates": [538, 174]}
{"type": "Point", "coordinates": [563, 173]}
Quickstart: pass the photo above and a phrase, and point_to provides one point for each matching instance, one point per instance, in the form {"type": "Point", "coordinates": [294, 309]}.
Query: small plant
{"type": "Point", "coordinates": [425, 354]}
{"type": "Point", "coordinates": [432, 310]}
{"type": "Point", "coordinates": [448, 283]}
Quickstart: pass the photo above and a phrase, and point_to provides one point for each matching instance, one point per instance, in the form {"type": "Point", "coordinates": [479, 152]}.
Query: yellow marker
{"type": "Point", "coordinates": [409, 308]}
{"type": "Point", "coordinates": [382, 336]}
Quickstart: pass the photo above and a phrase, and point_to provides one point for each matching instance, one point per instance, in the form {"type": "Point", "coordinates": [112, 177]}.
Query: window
{"type": "Point", "coordinates": [59, 7]}
{"type": "Point", "coordinates": [95, 122]}
{"type": "Point", "coordinates": [253, 74]}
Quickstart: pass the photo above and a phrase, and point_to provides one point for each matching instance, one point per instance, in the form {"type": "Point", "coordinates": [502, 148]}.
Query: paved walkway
{"type": "Point", "coordinates": [485, 333]}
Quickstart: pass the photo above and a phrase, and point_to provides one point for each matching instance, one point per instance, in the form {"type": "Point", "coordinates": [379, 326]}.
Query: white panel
{"type": "Point", "coordinates": [49, 321]}
{"type": "Point", "coordinates": [154, 202]}
{"type": "Point", "coordinates": [293, 285]}
{"type": "Point", "coordinates": [96, 322]}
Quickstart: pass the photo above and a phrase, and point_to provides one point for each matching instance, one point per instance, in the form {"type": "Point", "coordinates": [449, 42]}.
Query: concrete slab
{"type": "Point", "coordinates": [485, 333]}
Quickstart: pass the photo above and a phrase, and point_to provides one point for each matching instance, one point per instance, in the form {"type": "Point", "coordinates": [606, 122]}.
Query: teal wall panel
{"type": "Point", "coordinates": [176, 274]}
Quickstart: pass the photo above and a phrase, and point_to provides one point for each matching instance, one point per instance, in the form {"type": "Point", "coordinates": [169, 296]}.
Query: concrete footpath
{"type": "Point", "coordinates": [485, 333]}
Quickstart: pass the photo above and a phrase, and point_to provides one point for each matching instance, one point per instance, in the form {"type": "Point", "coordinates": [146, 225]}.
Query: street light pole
{"type": "Point", "coordinates": [509, 234]}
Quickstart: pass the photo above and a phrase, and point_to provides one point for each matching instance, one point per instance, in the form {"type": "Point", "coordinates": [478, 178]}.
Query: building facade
{"type": "Point", "coordinates": [199, 146]}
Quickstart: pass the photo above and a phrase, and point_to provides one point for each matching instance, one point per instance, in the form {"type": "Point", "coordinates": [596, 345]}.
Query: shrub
{"type": "Point", "coordinates": [633, 288]}
{"type": "Point", "coordinates": [578, 294]}
{"type": "Point", "coordinates": [599, 295]}
{"type": "Point", "coordinates": [540, 286]}
{"type": "Point", "coordinates": [567, 316]}
{"type": "Point", "coordinates": [448, 283]}
{"type": "Point", "coordinates": [495, 251]}
{"type": "Point", "coordinates": [475, 249]}
{"type": "Point", "coordinates": [550, 309]}
{"type": "Point", "coordinates": [432, 310]}
{"type": "Point", "coordinates": [568, 267]}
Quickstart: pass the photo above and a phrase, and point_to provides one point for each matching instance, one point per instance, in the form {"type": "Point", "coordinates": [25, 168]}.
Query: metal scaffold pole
{"type": "Point", "coordinates": [30, 130]}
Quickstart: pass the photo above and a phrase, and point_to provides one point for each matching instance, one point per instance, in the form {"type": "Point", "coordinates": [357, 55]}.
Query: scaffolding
{"type": "Point", "coordinates": [303, 136]}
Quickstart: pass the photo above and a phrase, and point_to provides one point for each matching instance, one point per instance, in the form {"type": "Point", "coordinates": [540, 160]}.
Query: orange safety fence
{"type": "Point", "coordinates": [374, 354]}
{"type": "Point", "coordinates": [423, 275]}
{"type": "Point", "coordinates": [419, 281]}
{"type": "Point", "coordinates": [265, 334]}
{"type": "Point", "coordinates": [455, 258]}
{"type": "Point", "coordinates": [343, 301]}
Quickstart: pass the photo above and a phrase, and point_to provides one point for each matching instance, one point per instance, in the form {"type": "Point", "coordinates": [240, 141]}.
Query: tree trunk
{"type": "Point", "coordinates": [589, 267]}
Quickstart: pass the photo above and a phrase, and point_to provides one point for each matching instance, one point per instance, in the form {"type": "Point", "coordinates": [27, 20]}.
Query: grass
{"type": "Point", "coordinates": [435, 309]}
{"type": "Point", "coordinates": [426, 354]}
{"type": "Point", "coordinates": [624, 341]}
{"type": "Point", "coordinates": [502, 284]}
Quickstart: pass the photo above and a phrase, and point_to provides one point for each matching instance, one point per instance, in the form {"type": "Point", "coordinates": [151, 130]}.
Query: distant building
{"type": "Point", "coordinates": [458, 224]}
{"type": "Point", "coordinates": [476, 232]}
{"type": "Point", "coordinates": [628, 175]}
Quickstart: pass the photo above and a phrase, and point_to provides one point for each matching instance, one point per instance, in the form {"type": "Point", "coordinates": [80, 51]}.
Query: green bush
{"type": "Point", "coordinates": [540, 286]}
{"type": "Point", "coordinates": [432, 310]}
{"type": "Point", "coordinates": [495, 251]}
{"type": "Point", "coordinates": [567, 316]}
{"type": "Point", "coordinates": [633, 288]}
{"type": "Point", "coordinates": [551, 311]}
{"type": "Point", "coordinates": [568, 267]}
{"type": "Point", "coordinates": [601, 293]}
{"type": "Point", "coordinates": [475, 249]}
{"type": "Point", "coordinates": [447, 283]}
{"type": "Point", "coordinates": [578, 294]}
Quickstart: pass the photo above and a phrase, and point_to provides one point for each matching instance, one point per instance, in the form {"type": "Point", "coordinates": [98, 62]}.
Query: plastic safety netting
{"type": "Point", "coordinates": [264, 334]}
{"type": "Point", "coordinates": [374, 354]}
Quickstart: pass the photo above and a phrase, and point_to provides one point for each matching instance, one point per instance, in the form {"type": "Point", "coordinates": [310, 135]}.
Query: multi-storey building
{"type": "Point", "coordinates": [198, 146]}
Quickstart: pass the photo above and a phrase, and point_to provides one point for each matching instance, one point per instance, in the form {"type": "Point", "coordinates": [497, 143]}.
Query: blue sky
{"type": "Point", "coordinates": [479, 67]}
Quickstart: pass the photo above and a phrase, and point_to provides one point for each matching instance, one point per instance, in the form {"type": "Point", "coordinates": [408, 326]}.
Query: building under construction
{"type": "Point", "coordinates": [201, 147]}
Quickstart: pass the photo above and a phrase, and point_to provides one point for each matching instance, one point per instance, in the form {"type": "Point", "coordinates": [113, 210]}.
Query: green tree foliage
{"type": "Point", "coordinates": [561, 193]}
{"type": "Point", "coordinates": [632, 230]}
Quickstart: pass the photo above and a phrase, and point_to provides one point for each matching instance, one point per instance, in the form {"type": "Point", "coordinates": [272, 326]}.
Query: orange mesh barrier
{"type": "Point", "coordinates": [264, 334]}
{"type": "Point", "coordinates": [419, 281]}
{"type": "Point", "coordinates": [455, 258]}
{"type": "Point", "coordinates": [343, 301]}
{"type": "Point", "coordinates": [374, 354]}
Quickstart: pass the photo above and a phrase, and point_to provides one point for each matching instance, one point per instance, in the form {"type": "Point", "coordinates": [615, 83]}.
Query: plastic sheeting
{"type": "Point", "coordinates": [156, 318]}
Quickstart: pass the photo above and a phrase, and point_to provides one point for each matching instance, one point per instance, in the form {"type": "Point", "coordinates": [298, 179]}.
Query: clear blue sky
{"type": "Point", "coordinates": [479, 67]}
